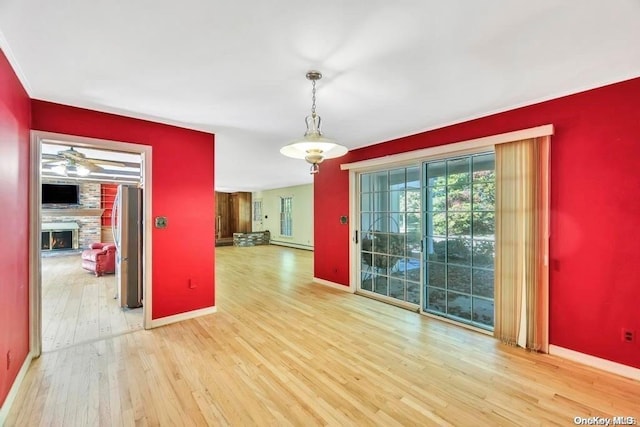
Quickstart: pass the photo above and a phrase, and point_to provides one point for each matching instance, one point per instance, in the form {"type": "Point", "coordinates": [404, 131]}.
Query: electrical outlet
{"type": "Point", "coordinates": [628, 335]}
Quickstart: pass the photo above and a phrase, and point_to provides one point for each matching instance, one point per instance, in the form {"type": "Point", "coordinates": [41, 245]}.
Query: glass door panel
{"type": "Point", "coordinates": [459, 235]}
{"type": "Point", "coordinates": [390, 230]}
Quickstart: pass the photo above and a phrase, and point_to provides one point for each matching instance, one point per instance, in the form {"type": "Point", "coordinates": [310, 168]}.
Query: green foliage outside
{"type": "Point", "coordinates": [450, 205]}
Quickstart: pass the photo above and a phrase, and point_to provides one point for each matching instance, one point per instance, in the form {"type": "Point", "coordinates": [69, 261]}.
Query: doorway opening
{"type": "Point", "coordinates": [76, 285]}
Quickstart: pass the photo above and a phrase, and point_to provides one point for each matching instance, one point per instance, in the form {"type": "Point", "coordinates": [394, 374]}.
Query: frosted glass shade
{"type": "Point", "coordinates": [312, 144]}
{"type": "Point", "coordinates": [313, 147]}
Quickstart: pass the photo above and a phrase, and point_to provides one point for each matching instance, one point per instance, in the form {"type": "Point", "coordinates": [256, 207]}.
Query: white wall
{"type": "Point", "coordinates": [302, 218]}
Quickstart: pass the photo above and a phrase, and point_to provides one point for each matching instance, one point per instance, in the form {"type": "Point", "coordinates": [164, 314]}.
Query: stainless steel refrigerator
{"type": "Point", "coordinates": [127, 233]}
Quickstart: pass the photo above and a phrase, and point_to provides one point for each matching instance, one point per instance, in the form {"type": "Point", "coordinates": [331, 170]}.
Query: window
{"type": "Point", "coordinates": [257, 210]}
{"type": "Point", "coordinates": [286, 223]}
{"type": "Point", "coordinates": [459, 217]}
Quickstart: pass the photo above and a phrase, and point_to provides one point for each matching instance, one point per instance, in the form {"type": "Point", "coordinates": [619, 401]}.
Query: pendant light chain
{"type": "Point", "coordinates": [313, 97]}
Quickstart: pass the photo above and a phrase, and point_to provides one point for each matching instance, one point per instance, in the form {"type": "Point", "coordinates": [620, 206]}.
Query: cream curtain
{"type": "Point", "coordinates": [522, 236]}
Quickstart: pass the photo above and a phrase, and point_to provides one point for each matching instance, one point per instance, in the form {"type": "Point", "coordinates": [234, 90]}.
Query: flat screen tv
{"type": "Point", "coordinates": [60, 194]}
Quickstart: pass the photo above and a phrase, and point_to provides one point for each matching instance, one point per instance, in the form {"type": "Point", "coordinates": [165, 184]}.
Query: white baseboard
{"type": "Point", "coordinates": [182, 316]}
{"type": "Point", "coordinates": [596, 362]}
{"type": "Point", "coordinates": [333, 285]}
{"type": "Point", "coordinates": [291, 245]}
{"type": "Point", "coordinates": [4, 411]}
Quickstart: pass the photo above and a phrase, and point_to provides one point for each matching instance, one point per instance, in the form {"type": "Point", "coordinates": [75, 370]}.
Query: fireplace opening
{"type": "Point", "coordinates": [57, 240]}
{"type": "Point", "coordinates": [62, 240]}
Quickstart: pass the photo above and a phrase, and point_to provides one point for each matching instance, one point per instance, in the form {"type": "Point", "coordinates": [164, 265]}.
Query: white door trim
{"type": "Point", "coordinates": [454, 148]}
{"type": "Point", "coordinates": [35, 210]}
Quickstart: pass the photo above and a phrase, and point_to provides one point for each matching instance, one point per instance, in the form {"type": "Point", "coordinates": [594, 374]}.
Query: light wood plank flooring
{"type": "Point", "coordinates": [79, 307]}
{"type": "Point", "coordinates": [283, 351]}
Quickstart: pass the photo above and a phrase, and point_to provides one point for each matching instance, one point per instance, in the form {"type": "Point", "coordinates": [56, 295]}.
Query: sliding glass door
{"type": "Point", "coordinates": [390, 233]}
{"type": "Point", "coordinates": [431, 227]}
{"type": "Point", "coordinates": [459, 213]}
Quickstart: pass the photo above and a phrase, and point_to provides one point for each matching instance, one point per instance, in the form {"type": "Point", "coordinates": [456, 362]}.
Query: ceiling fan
{"type": "Point", "coordinates": [72, 162]}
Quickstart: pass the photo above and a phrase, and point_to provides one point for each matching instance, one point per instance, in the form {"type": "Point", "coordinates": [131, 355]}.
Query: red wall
{"type": "Point", "coordinates": [183, 191]}
{"type": "Point", "coordinates": [15, 121]}
{"type": "Point", "coordinates": [595, 212]}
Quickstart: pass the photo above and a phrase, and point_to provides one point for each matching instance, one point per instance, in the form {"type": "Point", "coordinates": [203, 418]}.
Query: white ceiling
{"type": "Point", "coordinates": [237, 68]}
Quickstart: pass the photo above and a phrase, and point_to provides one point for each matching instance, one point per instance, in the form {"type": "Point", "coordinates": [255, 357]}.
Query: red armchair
{"type": "Point", "coordinates": [100, 258]}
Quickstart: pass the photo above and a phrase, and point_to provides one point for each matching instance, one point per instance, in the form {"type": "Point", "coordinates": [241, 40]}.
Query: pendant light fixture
{"type": "Point", "coordinates": [313, 146]}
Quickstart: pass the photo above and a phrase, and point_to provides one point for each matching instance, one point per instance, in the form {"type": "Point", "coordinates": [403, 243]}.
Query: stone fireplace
{"type": "Point", "coordinates": [59, 236]}
{"type": "Point", "coordinates": [82, 222]}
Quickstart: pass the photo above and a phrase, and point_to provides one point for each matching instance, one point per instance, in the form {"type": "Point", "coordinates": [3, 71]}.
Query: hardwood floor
{"type": "Point", "coordinates": [79, 307]}
{"type": "Point", "coordinates": [284, 351]}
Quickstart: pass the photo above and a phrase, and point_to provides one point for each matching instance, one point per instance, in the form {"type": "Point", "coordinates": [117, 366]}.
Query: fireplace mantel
{"type": "Point", "coordinates": [73, 212]}
{"type": "Point", "coordinates": [57, 226]}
